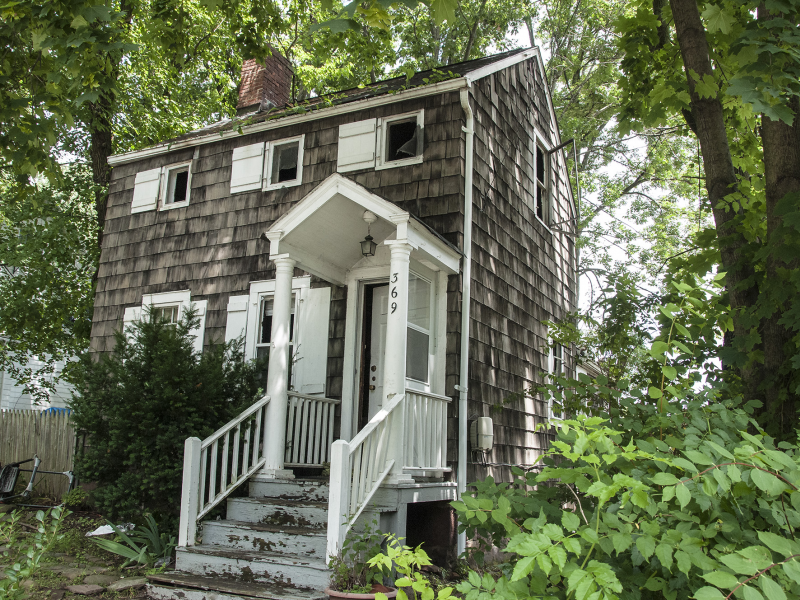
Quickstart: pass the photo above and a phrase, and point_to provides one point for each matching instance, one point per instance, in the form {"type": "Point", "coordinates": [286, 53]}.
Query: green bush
{"type": "Point", "coordinates": [706, 511]}
{"type": "Point", "coordinates": [140, 402]}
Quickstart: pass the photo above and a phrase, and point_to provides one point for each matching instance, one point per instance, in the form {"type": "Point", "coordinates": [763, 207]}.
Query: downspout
{"type": "Point", "coordinates": [466, 280]}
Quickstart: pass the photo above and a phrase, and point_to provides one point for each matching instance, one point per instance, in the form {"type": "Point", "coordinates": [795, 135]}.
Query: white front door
{"type": "Point", "coordinates": [380, 306]}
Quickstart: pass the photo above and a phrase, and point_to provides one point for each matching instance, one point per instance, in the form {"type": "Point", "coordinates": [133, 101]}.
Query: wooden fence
{"type": "Point", "coordinates": [50, 435]}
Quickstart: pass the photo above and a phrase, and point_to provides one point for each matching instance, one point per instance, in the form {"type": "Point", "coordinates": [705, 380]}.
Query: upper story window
{"type": "Point", "coordinates": [381, 143]}
{"type": "Point", "coordinates": [268, 165]}
{"type": "Point", "coordinates": [165, 188]}
{"type": "Point", "coordinates": [176, 188]}
{"type": "Point", "coordinates": [542, 195]}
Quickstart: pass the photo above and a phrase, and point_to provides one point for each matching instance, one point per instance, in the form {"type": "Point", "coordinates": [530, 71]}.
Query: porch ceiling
{"type": "Point", "coordinates": [324, 230]}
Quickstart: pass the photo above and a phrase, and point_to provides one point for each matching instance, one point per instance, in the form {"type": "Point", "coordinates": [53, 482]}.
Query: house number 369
{"type": "Point", "coordinates": [394, 292]}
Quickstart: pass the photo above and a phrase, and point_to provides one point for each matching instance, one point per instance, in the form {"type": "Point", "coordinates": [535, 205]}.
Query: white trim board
{"type": "Point", "coordinates": [355, 106]}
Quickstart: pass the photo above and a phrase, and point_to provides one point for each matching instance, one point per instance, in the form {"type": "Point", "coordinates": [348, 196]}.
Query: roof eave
{"type": "Point", "coordinates": [357, 105]}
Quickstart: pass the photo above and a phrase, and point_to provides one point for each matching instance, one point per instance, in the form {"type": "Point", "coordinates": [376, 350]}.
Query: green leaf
{"type": "Point", "coordinates": [792, 570]}
{"type": "Point", "coordinates": [717, 19]}
{"type": "Point", "coordinates": [646, 545]}
{"type": "Point", "coordinates": [474, 579]}
{"type": "Point", "coordinates": [654, 392]}
{"type": "Point", "coordinates": [771, 589]}
{"type": "Point", "coordinates": [751, 593]}
{"type": "Point", "coordinates": [665, 479]}
{"type": "Point", "coordinates": [776, 543]}
{"type": "Point", "coordinates": [767, 482]}
{"type": "Point", "coordinates": [708, 593]}
{"type": "Point", "coordinates": [721, 579]}
{"type": "Point", "coordinates": [521, 569]}
{"type": "Point", "coordinates": [683, 495]}
{"type": "Point", "coordinates": [570, 520]}
{"type": "Point", "coordinates": [664, 554]}
{"type": "Point", "coordinates": [658, 348]}
{"type": "Point", "coordinates": [669, 372]}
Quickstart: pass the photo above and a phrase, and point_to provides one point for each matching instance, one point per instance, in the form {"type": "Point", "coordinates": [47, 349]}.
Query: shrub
{"type": "Point", "coordinates": [140, 402]}
{"type": "Point", "coordinates": [693, 507]}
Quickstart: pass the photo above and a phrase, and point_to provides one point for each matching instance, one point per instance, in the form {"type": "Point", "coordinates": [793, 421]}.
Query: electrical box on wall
{"type": "Point", "coordinates": [481, 434]}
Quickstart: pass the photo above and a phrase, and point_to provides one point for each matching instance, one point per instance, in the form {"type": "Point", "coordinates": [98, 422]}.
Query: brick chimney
{"type": "Point", "coordinates": [265, 85]}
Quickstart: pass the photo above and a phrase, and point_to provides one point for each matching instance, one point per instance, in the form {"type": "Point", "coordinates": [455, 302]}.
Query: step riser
{"type": "Point", "coordinates": [163, 592]}
{"type": "Point", "coordinates": [298, 492]}
{"type": "Point", "coordinates": [240, 509]}
{"type": "Point", "coordinates": [231, 536]}
{"type": "Point", "coordinates": [249, 570]}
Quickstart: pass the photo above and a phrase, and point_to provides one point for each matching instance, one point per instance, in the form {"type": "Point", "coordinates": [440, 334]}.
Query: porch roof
{"type": "Point", "coordinates": [323, 231]}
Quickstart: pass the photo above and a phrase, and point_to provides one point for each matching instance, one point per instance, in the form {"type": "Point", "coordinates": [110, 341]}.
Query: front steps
{"type": "Point", "coordinates": [271, 545]}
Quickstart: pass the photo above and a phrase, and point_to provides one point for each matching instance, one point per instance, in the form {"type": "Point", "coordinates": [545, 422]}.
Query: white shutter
{"type": "Point", "coordinates": [237, 317]}
{"type": "Point", "coordinates": [132, 313]}
{"type": "Point", "coordinates": [356, 146]}
{"type": "Point", "coordinates": [145, 190]}
{"type": "Point", "coordinates": [200, 306]}
{"type": "Point", "coordinates": [313, 343]}
{"type": "Point", "coordinates": [247, 168]}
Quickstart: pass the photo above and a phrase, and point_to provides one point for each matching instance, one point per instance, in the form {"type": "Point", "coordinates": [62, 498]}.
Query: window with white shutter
{"type": "Point", "coordinates": [164, 304]}
{"type": "Point", "coordinates": [247, 168]}
{"type": "Point", "coordinates": [356, 146]}
{"type": "Point", "coordinates": [145, 190]}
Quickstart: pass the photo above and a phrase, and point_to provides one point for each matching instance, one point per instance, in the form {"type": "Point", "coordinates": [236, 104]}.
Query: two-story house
{"type": "Point", "coordinates": [394, 253]}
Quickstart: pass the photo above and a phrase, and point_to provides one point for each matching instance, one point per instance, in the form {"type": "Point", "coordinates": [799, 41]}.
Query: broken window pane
{"type": "Point", "coordinates": [178, 186]}
{"type": "Point", "coordinates": [284, 162]}
{"type": "Point", "coordinates": [417, 353]}
{"type": "Point", "coordinates": [401, 140]}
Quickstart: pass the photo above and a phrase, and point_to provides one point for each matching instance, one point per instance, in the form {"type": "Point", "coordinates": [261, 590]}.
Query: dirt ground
{"type": "Point", "coordinates": [76, 560]}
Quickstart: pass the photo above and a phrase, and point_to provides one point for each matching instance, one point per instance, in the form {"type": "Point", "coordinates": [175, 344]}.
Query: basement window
{"type": "Point", "coordinates": [176, 191]}
{"type": "Point", "coordinates": [401, 140]}
{"type": "Point", "coordinates": [285, 163]}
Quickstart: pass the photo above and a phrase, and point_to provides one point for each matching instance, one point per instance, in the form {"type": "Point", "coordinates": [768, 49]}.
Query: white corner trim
{"type": "Point", "coordinates": [351, 107]}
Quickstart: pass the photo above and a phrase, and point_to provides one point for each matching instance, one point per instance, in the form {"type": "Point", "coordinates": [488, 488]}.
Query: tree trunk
{"type": "Point", "coordinates": [721, 179]}
{"type": "Point", "coordinates": [100, 149]}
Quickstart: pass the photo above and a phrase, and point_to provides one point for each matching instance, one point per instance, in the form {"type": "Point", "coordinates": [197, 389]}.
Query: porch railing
{"type": "Point", "coordinates": [215, 466]}
{"type": "Point", "coordinates": [359, 467]}
{"type": "Point", "coordinates": [426, 432]}
{"type": "Point", "coordinates": [309, 430]}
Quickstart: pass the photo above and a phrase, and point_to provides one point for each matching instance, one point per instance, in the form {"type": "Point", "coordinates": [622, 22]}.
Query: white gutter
{"type": "Point", "coordinates": [466, 296]}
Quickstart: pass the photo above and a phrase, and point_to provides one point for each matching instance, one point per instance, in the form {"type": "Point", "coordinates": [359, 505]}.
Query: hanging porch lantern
{"type": "Point", "coordinates": [368, 245]}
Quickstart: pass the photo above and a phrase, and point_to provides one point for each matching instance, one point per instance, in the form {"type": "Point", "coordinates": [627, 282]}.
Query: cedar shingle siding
{"type": "Point", "coordinates": [523, 274]}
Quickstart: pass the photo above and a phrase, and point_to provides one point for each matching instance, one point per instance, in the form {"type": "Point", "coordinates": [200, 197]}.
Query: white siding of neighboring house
{"type": "Point", "coordinates": [12, 396]}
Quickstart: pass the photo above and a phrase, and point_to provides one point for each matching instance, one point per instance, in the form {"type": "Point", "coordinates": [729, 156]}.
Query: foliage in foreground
{"type": "Point", "coordinates": [26, 553]}
{"type": "Point", "coordinates": [143, 546]}
{"type": "Point", "coordinates": [693, 506]}
{"type": "Point", "coordinates": [139, 404]}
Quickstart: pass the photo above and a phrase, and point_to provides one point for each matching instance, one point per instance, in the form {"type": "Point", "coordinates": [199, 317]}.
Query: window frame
{"type": "Point", "coordinates": [551, 370]}
{"type": "Point", "coordinates": [164, 183]}
{"type": "Point", "coordinates": [266, 171]}
{"type": "Point", "coordinates": [431, 332]}
{"type": "Point", "coordinates": [383, 124]}
{"type": "Point", "coordinates": [546, 217]}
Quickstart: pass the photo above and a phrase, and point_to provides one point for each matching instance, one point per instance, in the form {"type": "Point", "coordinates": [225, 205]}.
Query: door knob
{"type": "Point", "coordinates": [372, 388]}
{"type": "Point", "coordinates": [373, 368]}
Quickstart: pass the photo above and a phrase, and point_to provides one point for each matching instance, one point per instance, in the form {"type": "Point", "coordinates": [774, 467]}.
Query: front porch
{"type": "Point", "coordinates": [385, 441]}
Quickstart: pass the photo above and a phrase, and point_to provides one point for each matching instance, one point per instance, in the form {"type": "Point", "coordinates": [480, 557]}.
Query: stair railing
{"type": "Point", "coordinates": [358, 468]}
{"type": "Point", "coordinates": [217, 465]}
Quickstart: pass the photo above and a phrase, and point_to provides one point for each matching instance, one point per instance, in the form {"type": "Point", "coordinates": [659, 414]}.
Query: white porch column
{"type": "Point", "coordinates": [394, 369]}
{"type": "Point", "coordinates": [278, 374]}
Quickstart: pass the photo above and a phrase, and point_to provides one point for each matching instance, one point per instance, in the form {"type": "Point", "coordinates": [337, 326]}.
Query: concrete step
{"type": "Point", "coordinates": [249, 566]}
{"type": "Point", "coordinates": [298, 490]}
{"type": "Point", "coordinates": [175, 585]}
{"type": "Point", "coordinates": [268, 511]}
{"type": "Point", "coordinates": [297, 541]}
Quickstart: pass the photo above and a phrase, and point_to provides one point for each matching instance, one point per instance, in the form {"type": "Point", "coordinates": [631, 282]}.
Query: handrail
{"type": "Point", "coordinates": [233, 423]}
{"type": "Point", "coordinates": [211, 473]}
{"type": "Point", "coordinates": [358, 468]}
